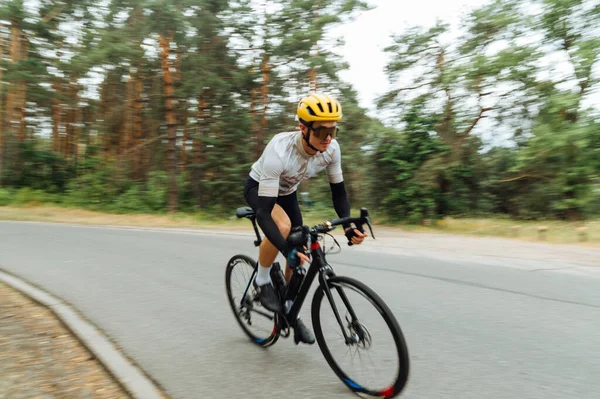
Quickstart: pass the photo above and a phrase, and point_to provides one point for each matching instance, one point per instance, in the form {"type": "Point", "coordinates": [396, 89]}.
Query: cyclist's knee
{"type": "Point", "coordinates": [282, 220]}
{"type": "Point", "coordinates": [285, 226]}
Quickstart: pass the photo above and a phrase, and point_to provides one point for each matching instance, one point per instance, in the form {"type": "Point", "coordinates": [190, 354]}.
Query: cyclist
{"type": "Point", "coordinates": [270, 189]}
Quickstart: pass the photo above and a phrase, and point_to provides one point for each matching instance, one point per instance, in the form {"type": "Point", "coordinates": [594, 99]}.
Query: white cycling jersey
{"type": "Point", "coordinates": [284, 164]}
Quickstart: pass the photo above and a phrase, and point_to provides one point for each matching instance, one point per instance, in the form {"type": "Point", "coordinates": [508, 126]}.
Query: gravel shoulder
{"type": "Point", "coordinates": [41, 359]}
{"type": "Point", "coordinates": [485, 250]}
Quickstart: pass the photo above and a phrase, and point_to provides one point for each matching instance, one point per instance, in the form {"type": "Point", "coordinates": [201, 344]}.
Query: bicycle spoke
{"type": "Point", "coordinates": [258, 323]}
{"type": "Point", "coordinates": [370, 361]}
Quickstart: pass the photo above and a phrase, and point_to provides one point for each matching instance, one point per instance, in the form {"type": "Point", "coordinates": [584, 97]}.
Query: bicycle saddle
{"type": "Point", "coordinates": [244, 212]}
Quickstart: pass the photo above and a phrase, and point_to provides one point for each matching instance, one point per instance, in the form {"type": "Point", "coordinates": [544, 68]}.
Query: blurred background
{"type": "Point", "coordinates": [464, 109]}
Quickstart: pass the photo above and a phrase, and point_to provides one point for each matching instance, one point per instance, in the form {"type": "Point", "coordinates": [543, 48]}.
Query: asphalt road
{"type": "Point", "coordinates": [474, 330]}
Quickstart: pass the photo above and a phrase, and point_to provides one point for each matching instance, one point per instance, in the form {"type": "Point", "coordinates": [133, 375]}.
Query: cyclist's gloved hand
{"type": "Point", "coordinates": [297, 258]}
{"type": "Point", "coordinates": [293, 259]}
{"type": "Point", "coordinates": [349, 233]}
{"type": "Point", "coordinates": [354, 236]}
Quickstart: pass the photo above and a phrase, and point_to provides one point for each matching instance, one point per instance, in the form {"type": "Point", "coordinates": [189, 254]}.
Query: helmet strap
{"type": "Point", "coordinates": [307, 136]}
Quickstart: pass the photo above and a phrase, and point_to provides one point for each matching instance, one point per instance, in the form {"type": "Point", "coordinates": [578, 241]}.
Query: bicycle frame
{"type": "Point", "coordinates": [319, 266]}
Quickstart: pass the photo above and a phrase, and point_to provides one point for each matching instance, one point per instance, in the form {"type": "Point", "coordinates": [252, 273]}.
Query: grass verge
{"type": "Point", "coordinates": [554, 232]}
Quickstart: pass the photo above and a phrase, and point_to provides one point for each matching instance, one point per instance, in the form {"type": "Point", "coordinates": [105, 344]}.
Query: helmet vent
{"type": "Point", "coordinates": [319, 107]}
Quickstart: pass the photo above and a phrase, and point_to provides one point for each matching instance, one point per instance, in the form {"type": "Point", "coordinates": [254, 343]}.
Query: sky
{"type": "Point", "coordinates": [370, 33]}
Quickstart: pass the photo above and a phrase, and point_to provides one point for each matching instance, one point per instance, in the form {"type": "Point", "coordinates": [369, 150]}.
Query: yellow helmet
{"type": "Point", "coordinates": [319, 107]}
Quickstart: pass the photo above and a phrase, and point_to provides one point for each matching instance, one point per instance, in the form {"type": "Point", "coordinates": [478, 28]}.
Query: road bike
{"type": "Point", "coordinates": [355, 334]}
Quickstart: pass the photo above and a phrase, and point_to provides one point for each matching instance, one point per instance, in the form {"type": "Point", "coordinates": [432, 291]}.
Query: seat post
{"type": "Point", "coordinates": [248, 213]}
{"type": "Point", "coordinates": [258, 240]}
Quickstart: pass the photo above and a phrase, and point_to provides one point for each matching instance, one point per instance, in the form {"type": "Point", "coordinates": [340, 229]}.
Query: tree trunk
{"type": "Point", "coordinates": [68, 138]}
{"type": "Point", "coordinates": [12, 94]}
{"type": "Point", "coordinates": [171, 123]}
{"type": "Point", "coordinates": [312, 79]}
{"type": "Point", "coordinates": [446, 129]}
{"type": "Point", "coordinates": [21, 108]}
{"type": "Point", "coordinates": [198, 151]}
{"type": "Point", "coordinates": [138, 128]}
{"type": "Point", "coordinates": [104, 111]}
{"type": "Point", "coordinates": [73, 122]}
{"type": "Point", "coordinates": [56, 119]}
{"type": "Point", "coordinates": [134, 121]}
{"type": "Point", "coordinates": [186, 137]}
{"type": "Point", "coordinates": [253, 117]}
{"type": "Point", "coordinates": [77, 120]}
{"type": "Point", "coordinates": [312, 73]}
{"type": "Point", "coordinates": [260, 134]}
{"type": "Point", "coordinates": [1, 109]}
{"type": "Point", "coordinates": [126, 135]}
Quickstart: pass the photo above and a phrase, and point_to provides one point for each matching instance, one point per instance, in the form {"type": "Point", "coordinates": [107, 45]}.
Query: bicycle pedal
{"type": "Point", "coordinates": [284, 332]}
{"type": "Point", "coordinates": [283, 326]}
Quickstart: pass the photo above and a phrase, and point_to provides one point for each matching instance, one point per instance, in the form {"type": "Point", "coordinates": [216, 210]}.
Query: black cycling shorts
{"type": "Point", "coordinates": [289, 203]}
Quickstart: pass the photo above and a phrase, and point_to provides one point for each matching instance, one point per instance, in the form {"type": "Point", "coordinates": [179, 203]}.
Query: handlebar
{"type": "Point", "coordinates": [299, 236]}
{"type": "Point", "coordinates": [359, 222]}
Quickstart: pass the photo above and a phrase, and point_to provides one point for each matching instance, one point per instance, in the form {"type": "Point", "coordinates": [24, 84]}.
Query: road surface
{"type": "Point", "coordinates": [475, 329]}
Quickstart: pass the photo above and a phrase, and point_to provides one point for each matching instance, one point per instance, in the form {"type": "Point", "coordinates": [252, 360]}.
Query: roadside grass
{"type": "Point", "coordinates": [554, 232]}
{"type": "Point", "coordinates": [58, 214]}
{"type": "Point", "coordinates": [547, 231]}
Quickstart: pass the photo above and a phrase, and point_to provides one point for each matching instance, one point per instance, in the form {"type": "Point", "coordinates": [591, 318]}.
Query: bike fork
{"type": "Point", "coordinates": [333, 305]}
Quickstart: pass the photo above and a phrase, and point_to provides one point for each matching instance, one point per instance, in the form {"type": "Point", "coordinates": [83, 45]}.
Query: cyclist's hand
{"type": "Point", "coordinates": [355, 236]}
{"type": "Point", "coordinates": [296, 258]}
{"type": "Point", "coordinates": [303, 258]}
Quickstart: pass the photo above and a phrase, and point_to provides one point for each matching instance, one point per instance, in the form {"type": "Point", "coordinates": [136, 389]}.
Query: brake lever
{"type": "Point", "coordinates": [306, 232]}
{"type": "Point", "coordinates": [366, 220]}
{"type": "Point", "coordinates": [370, 227]}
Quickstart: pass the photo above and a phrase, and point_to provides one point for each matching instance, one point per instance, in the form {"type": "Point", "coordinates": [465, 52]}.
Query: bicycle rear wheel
{"type": "Point", "coordinates": [258, 323]}
{"type": "Point", "coordinates": [364, 317]}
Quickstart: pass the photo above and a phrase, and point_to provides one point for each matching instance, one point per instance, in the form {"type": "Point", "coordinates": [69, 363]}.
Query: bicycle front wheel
{"type": "Point", "coordinates": [360, 338]}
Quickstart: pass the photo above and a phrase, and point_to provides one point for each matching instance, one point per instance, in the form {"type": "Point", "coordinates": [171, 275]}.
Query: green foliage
{"type": "Point", "coordinates": [131, 201]}
{"type": "Point", "coordinates": [156, 191]}
{"type": "Point", "coordinates": [432, 160]}
{"type": "Point", "coordinates": [551, 172]}
{"type": "Point", "coordinates": [95, 190]}
{"type": "Point", "coordinates": [5, 197]}
{"type": "Point", "coordinates": [100, 190]}
{"type": "Point", "coordinates": [28, 195]}
{"type": "Point", "coordinates": [36, 168]}
{"type": "Point", "coordinates": [409, 168]}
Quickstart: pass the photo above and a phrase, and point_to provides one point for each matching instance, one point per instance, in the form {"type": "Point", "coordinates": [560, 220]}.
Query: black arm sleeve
{"type": "Point", "coordinates": [268, 225]}
{"type": "Point", "coordinates": [341, 203]}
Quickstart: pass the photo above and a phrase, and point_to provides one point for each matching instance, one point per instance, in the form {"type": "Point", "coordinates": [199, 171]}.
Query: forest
{"type": "Point", "coordinates": [162, 106]}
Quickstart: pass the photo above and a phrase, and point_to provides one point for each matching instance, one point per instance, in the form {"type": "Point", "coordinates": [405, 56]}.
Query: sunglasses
{"type": "Point", "coordinates": [322, 132]}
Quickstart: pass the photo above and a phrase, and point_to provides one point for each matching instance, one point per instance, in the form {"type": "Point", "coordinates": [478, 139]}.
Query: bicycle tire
{"type": "Point", "coordinates": [260, 341]}
{"type": "Point", "coordinates": [401, 377]}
